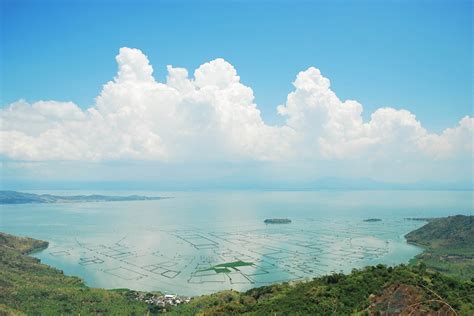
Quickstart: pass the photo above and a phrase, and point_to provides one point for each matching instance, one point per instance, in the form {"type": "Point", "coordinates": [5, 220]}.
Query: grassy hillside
{"type": "Point", "coordinates": [23, 245]}
{"type": "Point", "coordinates": [374, 290]}
{"type": "Point", "coordinates": [29, 287]}
{"type": "Point", "coordinates": [449, 244]}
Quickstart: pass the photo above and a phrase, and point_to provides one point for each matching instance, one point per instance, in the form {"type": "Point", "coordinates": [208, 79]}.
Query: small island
{"type": "Point", "coordinates": [277, 221]}
{"type": "Point", "coordinates": [372, 220]}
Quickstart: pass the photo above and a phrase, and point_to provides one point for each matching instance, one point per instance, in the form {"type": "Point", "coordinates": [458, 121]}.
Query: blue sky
{"type": "Point", "coordinates": [408, 64]}
{"type": "Point", "coordinates": [404, 54]}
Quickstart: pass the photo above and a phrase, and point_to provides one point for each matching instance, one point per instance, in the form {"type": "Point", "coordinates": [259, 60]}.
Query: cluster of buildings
{"type": "Point", "coordinates": [162, 301]}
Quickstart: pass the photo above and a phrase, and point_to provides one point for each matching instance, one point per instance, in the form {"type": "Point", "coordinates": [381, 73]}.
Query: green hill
{"type": "Point", "coordinates": [449, 244]}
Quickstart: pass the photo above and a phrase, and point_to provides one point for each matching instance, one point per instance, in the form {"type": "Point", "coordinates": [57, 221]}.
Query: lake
{"type": "Point", "coordinates": [182, 245]}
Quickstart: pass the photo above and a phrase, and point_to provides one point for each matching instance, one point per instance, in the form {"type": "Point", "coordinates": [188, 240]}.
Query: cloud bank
{"type": "Point", "coordinates": [212, 117]}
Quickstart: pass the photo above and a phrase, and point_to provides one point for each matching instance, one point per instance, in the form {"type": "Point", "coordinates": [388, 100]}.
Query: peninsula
{"type": "Point", "coordinates": [449, 245]}
{"type": "Point", "coordinates": [14, 197]}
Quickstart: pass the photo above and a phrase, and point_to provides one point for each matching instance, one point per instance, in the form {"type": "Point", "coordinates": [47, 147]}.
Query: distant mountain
{"type": "Point", "coordinates": [14, 197]}
{"type": "Point", "coordinates": [238, 183]}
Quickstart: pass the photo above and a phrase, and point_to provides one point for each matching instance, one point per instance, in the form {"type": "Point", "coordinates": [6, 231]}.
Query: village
{"type": "Point", "coordinates": [161, 301]}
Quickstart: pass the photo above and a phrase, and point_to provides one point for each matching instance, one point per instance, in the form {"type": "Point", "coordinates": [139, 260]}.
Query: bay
{"type": "Point", "coordinates": [202, 242]}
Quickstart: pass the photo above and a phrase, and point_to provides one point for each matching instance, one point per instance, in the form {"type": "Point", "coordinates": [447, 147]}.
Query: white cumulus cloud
{"type": "Point", "coordinates": [212, 117]}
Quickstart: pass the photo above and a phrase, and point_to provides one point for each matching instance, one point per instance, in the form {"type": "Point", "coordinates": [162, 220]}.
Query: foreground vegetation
{"type": "Point", "coordinates": [373, 290]}
{"type": "Point", "coordinates": [449, 245]}
{"type": "Point", "coordinates": [29, 287]}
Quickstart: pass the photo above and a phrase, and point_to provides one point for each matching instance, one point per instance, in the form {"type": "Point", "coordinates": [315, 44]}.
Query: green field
{"type": "Point", "coordinates": [226, 267]}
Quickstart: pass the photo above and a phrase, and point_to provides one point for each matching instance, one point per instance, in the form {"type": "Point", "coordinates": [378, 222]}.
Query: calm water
{"type": "Point", "coordinates": [172, 245]}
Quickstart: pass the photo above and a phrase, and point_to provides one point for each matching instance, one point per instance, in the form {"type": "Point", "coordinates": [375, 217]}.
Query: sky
{"type": "Point", "coordinates": [259, 110]}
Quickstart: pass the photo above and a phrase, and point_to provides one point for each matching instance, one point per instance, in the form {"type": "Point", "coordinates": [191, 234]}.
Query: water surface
{"type": "Point", "coordinates": [171, 245]}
